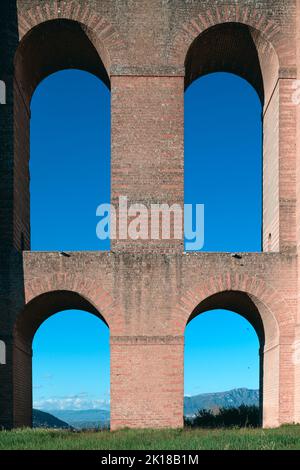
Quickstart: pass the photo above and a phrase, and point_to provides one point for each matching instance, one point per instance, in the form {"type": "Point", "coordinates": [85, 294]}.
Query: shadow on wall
{"type": "Point", "coordinates": [12, 296]}
{"type": "Point", "coordinates": [9, 38]}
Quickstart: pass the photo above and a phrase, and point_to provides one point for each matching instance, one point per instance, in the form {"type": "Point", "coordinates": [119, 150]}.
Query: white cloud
{"type": "Point", "coordinates": [74, 402]}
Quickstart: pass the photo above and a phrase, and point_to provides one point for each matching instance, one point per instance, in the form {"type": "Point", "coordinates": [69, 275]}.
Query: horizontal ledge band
{"type": "Point", "coordinates": [152, 71]}
{"type": "Point", "coordinates": [161, 340]}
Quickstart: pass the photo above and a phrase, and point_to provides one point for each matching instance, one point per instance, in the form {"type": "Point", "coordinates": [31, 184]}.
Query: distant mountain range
{"type": "Point", "coordinates": [233, 398]}
{"type": "Point", "coordinates": [84, 419]}
{"type": "Point", "coordinates": [41, 419]}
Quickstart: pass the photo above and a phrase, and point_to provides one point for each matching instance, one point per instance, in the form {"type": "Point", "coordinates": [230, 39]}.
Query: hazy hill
{"type": "Point", "coordinates": [84, 418]}
{"type": "Point", "coordinates": [100, 418]}
{"type": "Point", "coordinates": [40, 419]}
{"type": "Point", "coordinates": [232, 398]}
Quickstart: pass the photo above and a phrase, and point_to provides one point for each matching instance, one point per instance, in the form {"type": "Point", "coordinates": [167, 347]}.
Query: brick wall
{"type": "Point", "coordinates": [147, 300]}
{"type": "Point", "coordinates": [147, 149]}
{"type": "Point", "coordinates": [147, 292]}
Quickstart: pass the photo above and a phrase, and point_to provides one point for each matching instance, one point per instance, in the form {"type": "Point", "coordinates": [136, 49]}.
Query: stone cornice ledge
{"type": "Point", "coordinates": [134, 340]}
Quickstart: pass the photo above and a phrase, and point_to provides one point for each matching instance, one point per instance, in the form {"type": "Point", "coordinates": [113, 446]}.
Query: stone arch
{"type": "Point", "coordinates": [220, 45]}
{"type": "Point", "coordinates": [263, 307]}
{"type": "Point", "coordinates": [54, 45]}
{"type": "Point", "coordinates": [248, 16]}
{"type": "Point", "coordinates": [96, 299]}
{"type": "Point", "coordinates": [44, 299]}
{"type": "Point", "coordinates": [223, 47]}
{"type": "Point", "coordinates": [56, 37]}
{"type": "Point", "coordinates": [39, 309]}
{"type": "Point", "coordinates": [99, 28]}
{"type": "Point", "coordinates": [271, 306]}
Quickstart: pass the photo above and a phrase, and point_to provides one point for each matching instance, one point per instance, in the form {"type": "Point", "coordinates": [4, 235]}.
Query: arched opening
{"type": "Point", "coordinates": [69, 161]}
{"type": "Point", "coordinates": [231, 142]}
{"type": "Point", "coordinates": [70, 320]}
{"type": "Point", "coordinates": [51, 47]}
{"type": "Point", "coordinates": [231, 341]}
{"type": "Point", "coordinates": [71, 370]}
{"type": "Point", "coordinates": [221, 366]}
{"type": "Point", "coordinates": [223, 135]}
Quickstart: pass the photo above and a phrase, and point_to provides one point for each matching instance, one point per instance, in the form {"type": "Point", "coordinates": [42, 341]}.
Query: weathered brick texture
{"type": "Point", "coordinates": [147, 52]}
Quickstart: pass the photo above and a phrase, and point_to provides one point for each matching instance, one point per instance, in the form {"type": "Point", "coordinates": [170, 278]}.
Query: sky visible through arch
{"type": "Point", "coordinates": [70, 160]}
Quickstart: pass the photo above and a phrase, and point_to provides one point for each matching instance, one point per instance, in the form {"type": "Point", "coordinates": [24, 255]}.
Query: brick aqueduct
{"type": "Point", "coordinates": [148, 52]}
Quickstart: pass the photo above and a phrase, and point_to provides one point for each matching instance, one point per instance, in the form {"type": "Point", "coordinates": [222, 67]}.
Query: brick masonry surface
{"type": "Point", "coordinates": [148, 52]}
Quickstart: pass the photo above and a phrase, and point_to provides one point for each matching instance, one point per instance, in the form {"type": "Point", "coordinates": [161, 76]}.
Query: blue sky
{"type": "Point", "coordinates": [70, 160]}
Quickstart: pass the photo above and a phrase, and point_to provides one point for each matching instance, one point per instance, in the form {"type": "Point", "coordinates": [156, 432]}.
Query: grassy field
{"type": "Point", "coordinates": [286, 438]}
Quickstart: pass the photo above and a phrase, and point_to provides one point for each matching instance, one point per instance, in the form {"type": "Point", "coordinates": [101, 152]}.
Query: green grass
{"type": "Point", "coordinates": [285, 437]}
